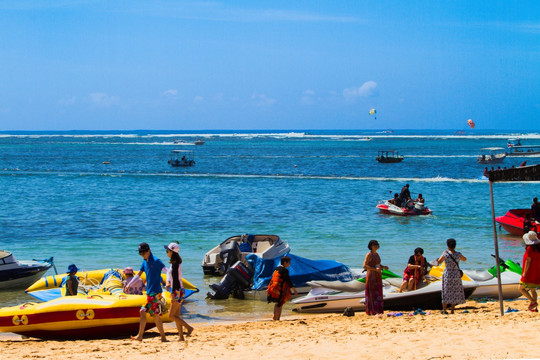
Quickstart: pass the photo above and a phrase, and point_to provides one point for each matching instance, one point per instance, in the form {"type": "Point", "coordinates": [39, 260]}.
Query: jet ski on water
{"type": "Point", "coordinates": [410, 209]}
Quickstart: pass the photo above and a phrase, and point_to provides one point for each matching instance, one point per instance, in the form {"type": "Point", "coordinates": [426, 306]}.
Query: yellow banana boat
{"type": "Point", "coordinates": [41, 289]}
{"type": "Point", "coordinates": [82, 317]}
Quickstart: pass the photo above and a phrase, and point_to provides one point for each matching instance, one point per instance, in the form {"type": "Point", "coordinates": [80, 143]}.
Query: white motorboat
{"type": "Point", "coordinates": [219, 259]}
{"type": "Point", "coordinates": [20, 274]}
{"type": "Point", "coordinates": [492, 155]}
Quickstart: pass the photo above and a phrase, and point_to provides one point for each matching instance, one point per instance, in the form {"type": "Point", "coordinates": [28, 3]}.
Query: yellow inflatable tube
{"type": "Point", "coordinates": [437, 271]}
{"type": "Point", "coordinates": [90, 278]}
{"type": "Point", "coordinates": [94, 316]}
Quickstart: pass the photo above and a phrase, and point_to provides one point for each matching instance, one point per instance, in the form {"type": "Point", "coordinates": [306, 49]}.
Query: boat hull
{"type": "Point", "coordinates": [21, 279]}
{"type": "Point", "coordinates": [513, 220]}
{"type": "Point", "coordinates": [19, 274]}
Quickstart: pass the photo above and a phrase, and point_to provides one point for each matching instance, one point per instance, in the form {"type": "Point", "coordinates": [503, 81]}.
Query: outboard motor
{"type": "Point", "coordinates": [230, 254]}
{"type": "Point", "coordinates": [235, 281]}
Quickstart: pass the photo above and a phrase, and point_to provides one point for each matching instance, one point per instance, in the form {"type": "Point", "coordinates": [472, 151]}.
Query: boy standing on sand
{"type": "Point", "coordinates": [280, 286]}
{"type": "Point", "coordinates": [152, 267]}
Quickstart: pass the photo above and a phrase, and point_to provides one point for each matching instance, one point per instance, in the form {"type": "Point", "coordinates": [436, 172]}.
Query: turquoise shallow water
{"type": "Point", "coordinates": [316, 190]}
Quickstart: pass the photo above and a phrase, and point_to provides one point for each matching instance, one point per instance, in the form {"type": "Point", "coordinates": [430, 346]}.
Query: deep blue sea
{"type": "Point", "coordinates": [315, 189]}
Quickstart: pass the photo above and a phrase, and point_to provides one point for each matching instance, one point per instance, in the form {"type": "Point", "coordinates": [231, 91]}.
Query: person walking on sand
{"type": "Point", "coordinates": [452, 287]}
{"type": "Point", "coordinates": [530, 277]}
{"type": "Point", "coordinates": [374, 288]}
{"type": "Point", "coordinates": [152, 267]}
{"type": "Point", "coordinates": [175, 286]}
{"type": "Point", "coordinates": [280, 286]}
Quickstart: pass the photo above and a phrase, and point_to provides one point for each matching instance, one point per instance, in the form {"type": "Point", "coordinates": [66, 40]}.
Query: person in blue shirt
{"type": "Point", "coordinates": [152, 267]}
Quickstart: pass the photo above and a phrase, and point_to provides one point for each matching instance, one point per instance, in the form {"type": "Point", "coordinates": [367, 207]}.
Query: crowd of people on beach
{"type": "Point", "coordinates": [281, 287]}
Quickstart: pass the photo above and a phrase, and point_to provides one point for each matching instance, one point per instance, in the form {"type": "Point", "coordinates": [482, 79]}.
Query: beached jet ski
{"type": "Point", "coordinates": [412, 209]}
{"type": "Point", "coordinates": [427, 296]}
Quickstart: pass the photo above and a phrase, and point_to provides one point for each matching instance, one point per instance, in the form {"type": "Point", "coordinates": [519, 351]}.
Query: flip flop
{"type": "Point", "coordinates": [509, 310]}
{"type": "Point", "coordinates": [533, 305]}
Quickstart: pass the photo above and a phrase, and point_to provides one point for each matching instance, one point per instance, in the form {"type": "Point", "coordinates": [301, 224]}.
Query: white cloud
{"type": "Point", "coordinates": [308, 97]}
{"type": "Point", "coordinates": [170, 93]}
{"type": "Point", "coordinates": [198, 99]}
{"type": "Point", "coordinates": [67, 101]}
{"type": "Point", "coordinates": [102, 99]}
{"type": "Point", "coordinates": [368, 89]}
{"type": "Point", "coordinates": [262, 100]}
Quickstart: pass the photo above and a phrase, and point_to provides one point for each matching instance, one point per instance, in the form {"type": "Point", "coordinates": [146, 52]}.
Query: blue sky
{"type": "Point", "coordinates": [176, 65]}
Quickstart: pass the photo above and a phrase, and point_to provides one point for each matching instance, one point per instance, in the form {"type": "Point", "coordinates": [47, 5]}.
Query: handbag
{"type": "Point", "coordinates": [460, 271]}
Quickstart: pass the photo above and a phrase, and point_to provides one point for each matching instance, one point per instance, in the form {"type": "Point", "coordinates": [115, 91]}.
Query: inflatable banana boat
{"type": "Point", "coordinates": [80, 317]}
{"type": "Point", "coordinates": [95, 281]}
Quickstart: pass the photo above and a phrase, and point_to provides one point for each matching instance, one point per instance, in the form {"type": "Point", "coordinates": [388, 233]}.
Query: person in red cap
{"type": "Point", "coordinates": [175, 286]}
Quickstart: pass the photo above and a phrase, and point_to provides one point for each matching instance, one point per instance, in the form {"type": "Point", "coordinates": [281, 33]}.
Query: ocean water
{"type": "Point", "coordinates": [316, 190]}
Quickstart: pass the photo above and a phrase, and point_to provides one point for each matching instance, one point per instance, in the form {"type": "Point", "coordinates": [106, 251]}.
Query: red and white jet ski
{"type": "Point", "coordinates": [417, 209]}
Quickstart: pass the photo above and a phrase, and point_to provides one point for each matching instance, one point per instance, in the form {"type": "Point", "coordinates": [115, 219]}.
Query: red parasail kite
{"type": "Point", "coordinates": [470, 123]}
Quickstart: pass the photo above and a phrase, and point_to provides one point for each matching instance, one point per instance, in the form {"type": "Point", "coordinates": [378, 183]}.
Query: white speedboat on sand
{"type": "Point", "coordinates": [235, 248]}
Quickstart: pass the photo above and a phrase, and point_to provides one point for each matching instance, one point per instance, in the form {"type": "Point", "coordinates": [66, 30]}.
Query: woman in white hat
{"type": "Point", "coordinates": [530, 277]}
{"type": "Point", "coordinates": [175, 286]}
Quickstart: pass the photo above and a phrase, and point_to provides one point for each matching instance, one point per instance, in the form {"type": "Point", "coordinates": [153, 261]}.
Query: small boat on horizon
{"type": "Point", "coordinates": [199, 142]}
{"type": "Point", "coordinates": [389, 156]}
{"type": "Point", "coordinates": [181, 158]}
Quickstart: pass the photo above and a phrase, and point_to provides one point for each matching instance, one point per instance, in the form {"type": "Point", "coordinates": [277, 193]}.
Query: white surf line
{"type": "Point", "coordinates": [255, 176]}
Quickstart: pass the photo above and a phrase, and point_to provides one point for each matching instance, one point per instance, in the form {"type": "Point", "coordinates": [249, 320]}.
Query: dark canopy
{"type": "Point", "coordinates": [522, 173]}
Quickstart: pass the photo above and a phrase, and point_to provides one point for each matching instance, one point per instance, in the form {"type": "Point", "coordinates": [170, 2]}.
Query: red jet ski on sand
{"type": "Point", "coordinates": [513, 221]}
{"type": "Point", "coordinates": [413, 209]}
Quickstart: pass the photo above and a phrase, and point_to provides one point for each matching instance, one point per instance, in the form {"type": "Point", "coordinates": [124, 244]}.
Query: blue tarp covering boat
{"type": "Point", "coordinates": [301, 270]}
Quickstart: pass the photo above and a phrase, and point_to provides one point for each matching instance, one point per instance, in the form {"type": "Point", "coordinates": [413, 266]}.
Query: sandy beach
{"type": "Point", "coordinates": [475, 331]}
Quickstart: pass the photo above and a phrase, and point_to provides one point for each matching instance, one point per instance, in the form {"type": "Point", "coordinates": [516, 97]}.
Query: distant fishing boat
{"type": "Point", "coordinates": [492, 155]}
{"type": "Point", "coordinates": [181, 158]}
{"type": "Point", "coordinates": [516, 149]}
{"type": "Point", "coordinates": [389, 156]}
